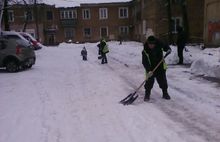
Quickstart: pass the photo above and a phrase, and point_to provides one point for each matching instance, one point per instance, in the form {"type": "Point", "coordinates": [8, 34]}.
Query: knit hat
{"type": "Point", "coordinates": [151, 40]}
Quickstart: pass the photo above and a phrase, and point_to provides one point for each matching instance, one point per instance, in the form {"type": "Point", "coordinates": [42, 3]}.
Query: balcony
{"type": "Point", "coordinates": [68, 23]}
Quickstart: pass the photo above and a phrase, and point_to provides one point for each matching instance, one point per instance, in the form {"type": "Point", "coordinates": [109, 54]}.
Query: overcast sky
{"type": "Point", "coordinates": [71, 3]}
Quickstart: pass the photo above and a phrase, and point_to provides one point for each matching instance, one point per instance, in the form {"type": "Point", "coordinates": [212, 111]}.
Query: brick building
{"type": "Point", "coordinates": [108, 20]}
{"type": "Point", "coordinates": [89, 22]}
{"type": "Point", "coordinates": [47, 24]}
{"type": "Point", "coordinates": [151, 18]}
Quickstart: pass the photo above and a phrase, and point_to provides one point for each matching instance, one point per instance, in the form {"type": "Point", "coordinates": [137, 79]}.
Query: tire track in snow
{"type": "Point", "coordinates": [110, 129]}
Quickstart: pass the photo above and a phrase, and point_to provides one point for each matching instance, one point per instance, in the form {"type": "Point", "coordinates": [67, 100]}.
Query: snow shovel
{"type": "Point", "coordinates": [133, 96]}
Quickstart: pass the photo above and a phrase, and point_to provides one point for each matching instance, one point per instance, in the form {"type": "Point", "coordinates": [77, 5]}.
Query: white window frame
{"type": "Point", "coordinates": [122, 30]}
{"type": "Point", "coordinates": [175, 23]}
{"type": "Point", "coordinates": [84, 14]}
{"type": "Point", "coordinates": [101, 31]}
{"type": "Point", "coordinates": [103, 13]}
{"type": "Point", "coordinates": [74, 14]}
{"type": "Point", "coordinates": [11, 17]}
{"type": "Point", "coordinates": [125, 9]}
{"type": "Point", "coordinates": [68, 14]}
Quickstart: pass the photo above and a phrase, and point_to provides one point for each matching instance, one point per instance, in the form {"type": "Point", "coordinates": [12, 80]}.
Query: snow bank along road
{"type": "Point", "coordinates": [64, 99]}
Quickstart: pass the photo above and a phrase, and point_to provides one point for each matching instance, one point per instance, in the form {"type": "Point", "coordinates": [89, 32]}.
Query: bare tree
{"type": "Point", "coordinates": [169, 16]}
{"type": "Point", "coordinates": [183, 4]}
{"type": "Point", "coordinates": [36, 19]}
{"type": "Point", "coordinates": [1, 12]}
{"type": "Point", "coordinates": [27, 13]}
{"type": "Point", "coordinates": [5, 15]}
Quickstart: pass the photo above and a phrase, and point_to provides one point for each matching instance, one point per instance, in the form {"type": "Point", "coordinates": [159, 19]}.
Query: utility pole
{"type": "Point", "coordinates": [36, 19]}
{"type": "Point", "coordinates": [26, 15]}
{"type": "Point", "coordinates": [5, 16]}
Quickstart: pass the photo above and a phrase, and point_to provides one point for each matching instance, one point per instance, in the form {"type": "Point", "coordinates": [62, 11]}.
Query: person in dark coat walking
{"type": "Point", "coordinates": [151, 56]}
{"type": "Point", "coordinates": [84, 54]}
{"type": "Point", "coordinates": [181, 42]}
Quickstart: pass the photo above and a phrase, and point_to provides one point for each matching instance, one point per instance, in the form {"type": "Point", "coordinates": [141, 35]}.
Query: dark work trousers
{"type": "Point", "coordinates": [161, 80]}
{"type": "Point", "coordinates": [84, 57]}
{"type": "Point", "coordinates": [180, 53]}
{"type": "Point", "coordinates": [104, 59]}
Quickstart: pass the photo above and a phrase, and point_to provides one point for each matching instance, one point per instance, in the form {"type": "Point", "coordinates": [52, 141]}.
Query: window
{"type": "Point", "coordinates": [68, 14]}
{"type": "Point", "coordinates": [103, 13]}
{"type": "Point", "coordinates": [87, 32]}
{"type": "Point", "coordinates": [69, 33]}
{"type": "Point", "coordinates": [123, 30]}
{"type": "Point", "coordinates": [176, 21]}
{"type": "Point", "coordinates": [123, 12]}
{"type": "Point", "coordinates": [11, 16]}
{"type": "Point", "coordinates": [104, 31]}
{"type": "Point", "coordinates": [33, 35]}
{"type": "Point", "coordinates": [29, 15]}
{"type": "Point", "coordinates": [86, 13]}
{"type": "Point", "coordinates": [49, 15]}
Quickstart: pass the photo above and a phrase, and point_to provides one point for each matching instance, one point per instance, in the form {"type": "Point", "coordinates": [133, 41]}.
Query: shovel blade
{"type": "Point", "coordinates": [127, 98]}
{"type": "Point", "coordinates": [131, 100]}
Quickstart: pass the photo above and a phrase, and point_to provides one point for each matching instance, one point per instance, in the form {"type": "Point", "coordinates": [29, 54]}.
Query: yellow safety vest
{"type": "Point", "coordinates": [164, 63]}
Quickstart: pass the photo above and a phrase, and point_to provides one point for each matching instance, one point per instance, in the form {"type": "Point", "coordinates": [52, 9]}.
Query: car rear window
{"type": "Point", "coordinates": [19, 40]}
{"type": "Point", "coordinates": [29, 37]}
{"type": "Point", "coordinates": [12, 37]}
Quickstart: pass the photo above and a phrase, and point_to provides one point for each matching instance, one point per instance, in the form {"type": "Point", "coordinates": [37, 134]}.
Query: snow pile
{"type": "Point", "coordinates": [203, 62]}
{"type": "Point", "coordinates": [207, 63]}
{"type": "Point", "coordinates": [173, 57]}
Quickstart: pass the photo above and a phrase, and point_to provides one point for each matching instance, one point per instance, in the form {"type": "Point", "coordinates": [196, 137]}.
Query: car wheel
{"type": "Point", "coordinates": [29, 66]}
{"type": "Point", "coordinates": [12, 66]}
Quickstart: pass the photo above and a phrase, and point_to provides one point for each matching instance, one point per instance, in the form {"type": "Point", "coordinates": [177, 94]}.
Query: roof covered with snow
{"type": "Point", "coordinates": [72, 3]}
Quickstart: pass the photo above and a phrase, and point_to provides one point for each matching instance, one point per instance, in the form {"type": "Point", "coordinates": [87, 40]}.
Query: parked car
{"type": "Point", "coordinates": [16, 54]}
{"type": "Point", "coordinates": [37, 45]}
{"type": "Point", "coordinates": [13, 35]}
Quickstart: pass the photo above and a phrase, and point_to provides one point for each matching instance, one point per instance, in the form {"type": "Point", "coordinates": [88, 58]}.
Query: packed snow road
{"type": "Point", "coordinates": [65, 99]}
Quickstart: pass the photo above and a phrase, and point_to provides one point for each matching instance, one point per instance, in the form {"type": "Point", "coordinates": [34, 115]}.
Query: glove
{"type": "Point", "coordinates": [149, 74]}
{"type": "Point", "coordinates": [168, 51]}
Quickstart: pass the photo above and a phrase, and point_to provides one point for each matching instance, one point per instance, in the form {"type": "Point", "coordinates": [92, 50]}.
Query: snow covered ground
{"type": "Point", "coordinates": [65, 99]}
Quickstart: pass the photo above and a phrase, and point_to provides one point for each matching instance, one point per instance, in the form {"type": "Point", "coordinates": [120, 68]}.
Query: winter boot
{"type": "Point", "coordinates": [147, 96]}
{"type": "Point", "coordinates": [166, 96]}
